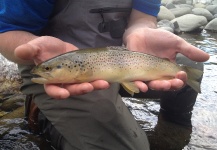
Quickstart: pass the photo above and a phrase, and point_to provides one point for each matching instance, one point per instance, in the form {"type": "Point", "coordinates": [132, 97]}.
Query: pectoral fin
{"type": "Point", "coordinates": [130, 87]}
{"type": "Point", "coordinates": [84, 76]}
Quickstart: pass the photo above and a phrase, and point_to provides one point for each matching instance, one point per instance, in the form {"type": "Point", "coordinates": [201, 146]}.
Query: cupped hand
{"type": "Point", "coordinates": [43, 48]}
{"type": "Point", "coordinates": [164, 44]}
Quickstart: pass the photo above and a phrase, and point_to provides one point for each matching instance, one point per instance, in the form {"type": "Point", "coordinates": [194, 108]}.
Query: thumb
{"type": "Point", "coordinates": [26, 52]}
{"type": "Point", "coordinates": [193, 52]}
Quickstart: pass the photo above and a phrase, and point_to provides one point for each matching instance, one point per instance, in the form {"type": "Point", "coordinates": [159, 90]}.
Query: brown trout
{"type": "Point", "coordinates": [113, 64]}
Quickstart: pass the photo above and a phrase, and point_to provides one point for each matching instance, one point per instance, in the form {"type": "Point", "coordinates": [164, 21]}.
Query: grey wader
{"type": "Point", "coordinates": [98, 120]}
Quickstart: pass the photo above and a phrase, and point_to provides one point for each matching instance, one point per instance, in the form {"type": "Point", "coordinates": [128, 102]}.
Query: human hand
{"type": "Point", "coordinates": [46, 47]}
{"type": "Point", "coordinates": [164, 44]}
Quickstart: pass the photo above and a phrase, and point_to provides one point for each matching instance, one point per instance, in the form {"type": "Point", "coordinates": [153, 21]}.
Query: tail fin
{"type": "Point", "coordinates": [193, 77]}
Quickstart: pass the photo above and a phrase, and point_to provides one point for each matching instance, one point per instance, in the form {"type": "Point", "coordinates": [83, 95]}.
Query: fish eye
{"type": "Point", "coordinates": [47, 68]}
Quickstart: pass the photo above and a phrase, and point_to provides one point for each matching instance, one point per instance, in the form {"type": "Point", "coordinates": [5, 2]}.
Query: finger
{"type": "Point", "coordinates": [176, 84]}
{"type": "Point", "coordinates": [26, 51]}
{"type": "Point", "coordinates": [83, 88]}
{"type": "Point", "coordinates": [56, 92]}
{"type": "Point", "coordinates": [193, 52]}
{"type": "Point", "coordinates": [142, 86]}
{"type": "Point", "coordinates": [173, 84]}
{"type": "Point", "coordinates": [100, 84]}
{"type": "Point", "coordinates": [160, 85]}
{"type": "Point", "coordinates": [182, 76]}
{"type": "Point", "coordinates": [79, 89]}
{"type": "Point", "coordinates": [179, 81]}
{"type": "Point", "coordinates": [70, 47]}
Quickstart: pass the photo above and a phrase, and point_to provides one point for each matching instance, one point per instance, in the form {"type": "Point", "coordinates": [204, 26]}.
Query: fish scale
{"type": "Point", "coordinates": [113, 64]}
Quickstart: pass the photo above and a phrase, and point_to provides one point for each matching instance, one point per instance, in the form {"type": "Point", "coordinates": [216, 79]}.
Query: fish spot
{"type": "Point", "coordinates": [59, 66]}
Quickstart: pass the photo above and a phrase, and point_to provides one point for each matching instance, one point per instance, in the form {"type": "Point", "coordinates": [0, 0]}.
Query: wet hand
{"type": "Point", "coordinates": [46, 47]}
{"type": "Point", "coordinates": [162, 44]}
{"type": "Point", "coordinates": [65, 90]}
{"type": "Point", "coordinates": [42, 49]}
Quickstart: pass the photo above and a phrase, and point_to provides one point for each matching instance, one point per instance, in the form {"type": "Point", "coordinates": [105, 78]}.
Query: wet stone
{"type": "Point", "coordinates": [13, 102]}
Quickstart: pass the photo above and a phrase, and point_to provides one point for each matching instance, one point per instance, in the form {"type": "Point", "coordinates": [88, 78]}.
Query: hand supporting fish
{"type": "Point", "coordinates": [112, 64]}
{"type": "Point", "coordinates": [151, 41]}
{"type": "Point", "coordinates": [141, 35]}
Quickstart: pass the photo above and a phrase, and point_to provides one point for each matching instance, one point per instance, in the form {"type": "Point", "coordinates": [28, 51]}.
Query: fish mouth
{"type": "Point", "coordinates": [35, 75]}
{"type": "Point", "coordinates": [39, 80]}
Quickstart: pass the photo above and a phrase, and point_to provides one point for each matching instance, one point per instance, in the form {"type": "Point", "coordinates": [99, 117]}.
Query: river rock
{"type": "Point", "coordinates": [10, 80]}
{"type": "Point", "coordinates": [214, 2]}
{"type": "Point", "coordinates": [189, 2]}
{"type": "Point", "coordinates": [179, 1]}
{"type": "Point", "coordinates": [166, 25]}
{"type": "Point", "coordinates": [2, 113]}
{"type": "Point", "coordinates": [13, 102]}
{"type": "Point", "coordinates": [165, 14]}
{"type": "Point", "coordinates": [184, 6]}
{"type": "Point", "coordinates": [17, 113]}
{"type": "Point", "coordinates": [212, 9]}
{"type": "Point", "coordinates": [203, 12]}
{"type": "Point", "coordinates": [180, 11]}
{"type": "Point", "coordinates": [169, 26]}
{"type": "Point", "coordinates": [10, 86]}
{"type": "Point", "coordinates": [212, 25]}
{"type": "Point", "coordinates": [164, 2]}
{"type": "Point", "coordinates": [170, 6]}
{"type": "Point", "coordinates": [190, 22]}
{"type": "Point", "coordinates": [199, 5]}
{"type": "Point", "coordinates": [167, 29]}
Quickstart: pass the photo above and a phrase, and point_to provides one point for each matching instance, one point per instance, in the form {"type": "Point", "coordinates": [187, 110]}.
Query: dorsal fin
{"type": "Point", "coordinates": [121, 48]}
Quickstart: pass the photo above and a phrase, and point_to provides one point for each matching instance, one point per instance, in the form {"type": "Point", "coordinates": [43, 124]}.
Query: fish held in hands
{"type": "Point", "coordinates": [113, 64]}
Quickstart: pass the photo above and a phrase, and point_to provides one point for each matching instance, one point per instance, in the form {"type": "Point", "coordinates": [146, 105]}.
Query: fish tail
{"type": "Point", "coordinates": [194, 76]}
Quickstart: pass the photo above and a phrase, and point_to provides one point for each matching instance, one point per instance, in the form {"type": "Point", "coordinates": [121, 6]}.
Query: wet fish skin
{"type": "Point", "coordinates": [113, 64]}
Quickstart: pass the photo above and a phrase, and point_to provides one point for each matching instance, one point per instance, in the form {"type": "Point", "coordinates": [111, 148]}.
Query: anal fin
{"type": "Point", "coordinates": [130, 87]}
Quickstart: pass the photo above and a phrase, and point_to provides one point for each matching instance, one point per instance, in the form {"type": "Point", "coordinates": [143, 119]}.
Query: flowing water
{"type": "Point", "coordinates": [203, 135]}
{"type": "Point", "coordinates": [14, 133]}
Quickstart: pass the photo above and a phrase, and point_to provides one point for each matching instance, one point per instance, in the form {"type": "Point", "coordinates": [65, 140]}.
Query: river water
{"type": "Point", "coordinates": [15, 135]}
{"type": "Point", "coordinates": [165, 135]}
